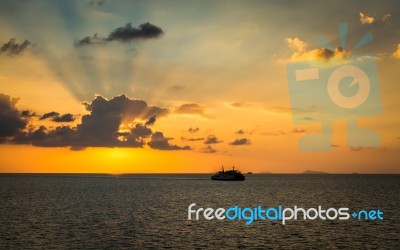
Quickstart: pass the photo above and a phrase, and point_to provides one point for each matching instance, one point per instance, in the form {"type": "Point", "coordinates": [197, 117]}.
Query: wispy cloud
{"type": "Point", "coordinates": [192, 109]}
{"type": "Point", "coordinates": [13, 48]}
{"type": "Point", "coordinates": [208, 150]}
{"type": "Point", "coordinates": [364, 19]}
{"type": "Point", "coordinates": [192, 139]}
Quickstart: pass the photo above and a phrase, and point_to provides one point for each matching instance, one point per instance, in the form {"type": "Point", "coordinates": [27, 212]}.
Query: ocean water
{"type": "Point", "coordinates": [150, 211]}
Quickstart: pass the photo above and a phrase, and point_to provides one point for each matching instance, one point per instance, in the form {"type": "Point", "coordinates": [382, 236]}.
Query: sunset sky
{"type": "Point", "coordinates": [183, 86]}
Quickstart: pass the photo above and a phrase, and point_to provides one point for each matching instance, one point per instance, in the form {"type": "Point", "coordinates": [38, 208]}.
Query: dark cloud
{"type": "Point", "coordinates": [151, 121]}
{"type": "Point", "coordinates": [49, 115]}
{"type": "Point", "coordinates": [126, 33]}
{"type": "Point", "coordinates": [212, 139]}
{"type": "Point", "coordinates": [129, 33]}
{"type": "Point", "coordinates": [192, 109]}
{"type": "Point", "coordinates": [13, 48]}
{"type": "Point", "coordinates": [122, 107]}
{"type": "Point", "coordinates": [140, 131]}
{"type": "Point", "coordinates": [55, 117]}
{"type": "Point", "coordinates": [99, 128]}
{"type": "Point", "coordinates": [239, 132]}
{"type": "Point", "coordinates": [64, 118]}
{"type": "Point", "coordinates": [242, 141]}
{"type": "Point", "coordinates": [208, 149]}
{"type": "Point", "coordinates": [91, 40]}
{"type": "Point", "coordinates": [27, 113]}
{"type": "Point", "coordinates": [11, 121]}
{"type": "Point", "coordinates": [192, 139]}
{"type": "Point", "coordinates": [193, 130]}
{"type": "Point", "coordinates": [158, 141]}
{"type": "Point", "coordinates": [61, 136]}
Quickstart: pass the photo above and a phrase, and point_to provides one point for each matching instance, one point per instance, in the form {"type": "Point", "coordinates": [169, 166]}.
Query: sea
{"type": "Point", "coordinates": [140, 211]}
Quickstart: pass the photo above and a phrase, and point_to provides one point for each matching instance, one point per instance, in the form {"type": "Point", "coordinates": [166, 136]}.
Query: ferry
{"type": "Point", "coordinates": [230, 175]}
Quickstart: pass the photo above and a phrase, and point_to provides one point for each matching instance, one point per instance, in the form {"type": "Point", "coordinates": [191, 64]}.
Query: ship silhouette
{"type": "Point", "coordinates": [230, 175]}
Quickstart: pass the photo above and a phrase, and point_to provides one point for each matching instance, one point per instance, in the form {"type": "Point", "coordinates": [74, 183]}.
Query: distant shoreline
{"type": "Point", "coordinates": [254, 173]}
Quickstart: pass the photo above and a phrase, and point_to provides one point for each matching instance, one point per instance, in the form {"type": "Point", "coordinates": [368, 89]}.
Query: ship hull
{"type": "Point", "coordinates": [228, 178]}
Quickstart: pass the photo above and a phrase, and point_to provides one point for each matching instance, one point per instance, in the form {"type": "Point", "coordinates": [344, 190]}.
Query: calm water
{"type": "Point", "coordinates": [150, 211]}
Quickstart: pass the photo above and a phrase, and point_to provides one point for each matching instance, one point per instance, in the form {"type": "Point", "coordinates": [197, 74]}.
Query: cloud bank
{"type": "Point", "coordinates": [99, 128]}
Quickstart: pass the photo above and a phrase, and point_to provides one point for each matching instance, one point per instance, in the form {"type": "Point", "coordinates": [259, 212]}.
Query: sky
{"type": "Point", "coordinates": [116, 87]}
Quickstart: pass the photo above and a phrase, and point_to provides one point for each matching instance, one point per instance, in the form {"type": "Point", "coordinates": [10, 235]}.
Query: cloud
{"type": "Point", "coordinates": [386, 17]}
{"type": "Point", "coordinates": [242, 141]}
{"type": "Point", "coordinates": [99, 128]}
{"type": "Point", "coordinates": [364, 19]}
{"type": "Point", "coordinates": [11, 121]}
{"type": "Point", "coordinates": [302, 54]}
{"type": "Point", "coordinates": [13, 48]}
{"type": "Point", "coordinates": [192, 109]}
{"type": "Point", "coordinates": [49, 115]}
{"type": "Point", "coordinates": [129, 33]}
{"type": "Point", "coordinates": [274, 133]}
{"type": "Point", "coordinates": [140, 131]}
{"type": "Point", "coordinates": [121, 107]}
{"type": "Point", "coordinates": [124, 34]}
{"type": "Point", "coordinates": [27, 113]}
{"type": "Point", "coordinates": [151, 120]}
{"type": "Point", "coordinates": [158, 141]}
{"type": "Point", "coordinates": [298, 131]}
{"type": "Point", "coordinates": [64, 118]}
{"type": "Point", "coordinates": [212, 139]}
{"type": "Point", "coordinates": [192, 139]}
{"type": "Point", "coordinates": [396, 54]}
{"type": "Point", "coordinates": [250, 132]}
{"type": "Point", "coordinates": [296, 44]}
{"type": "Point", "coordinates": [193, 130]}
{"type": "Point", "coordinates": [55, 117]}
{"type": "Point", "coordinates": [208, 150]}
{"type": "Point", "coordinates": [281, 132]}
{"type": "Point", "coordinates": [243, 105]}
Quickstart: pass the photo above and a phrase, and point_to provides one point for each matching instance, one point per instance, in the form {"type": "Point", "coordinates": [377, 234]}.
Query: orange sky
{"type": "Point", "coordinates": [213, 75]}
